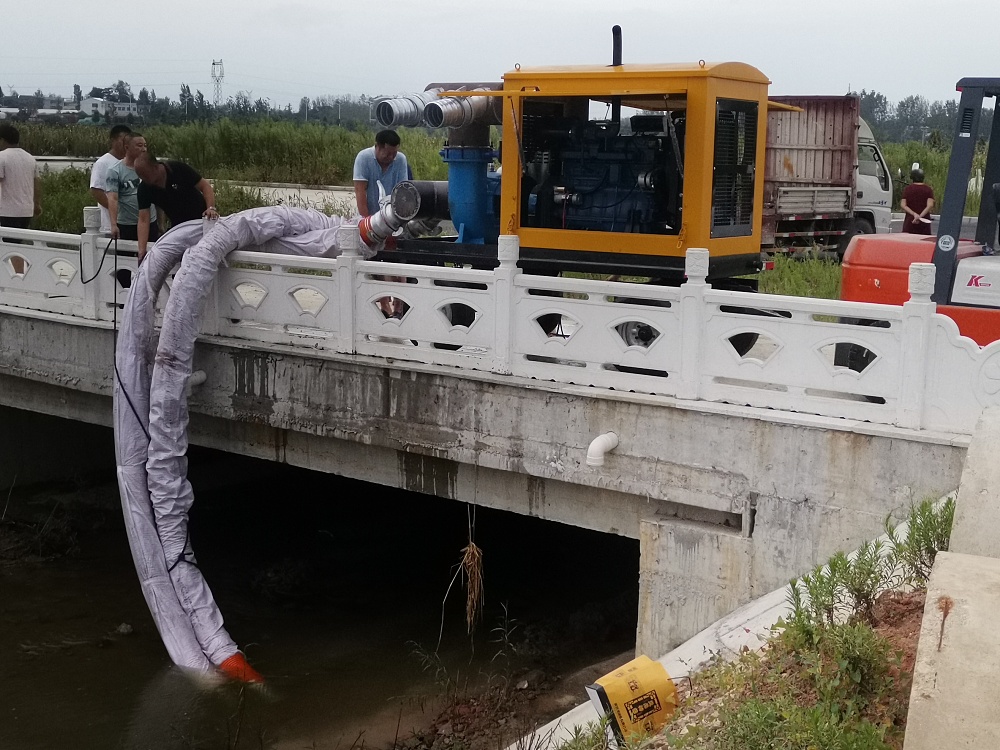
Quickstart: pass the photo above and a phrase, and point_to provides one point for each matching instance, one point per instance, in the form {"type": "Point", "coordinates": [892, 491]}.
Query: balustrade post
{"type": "Point", "coordinates": [692, 315]}
{"type": "Point", "coordinates": [508, 251]}
{"type": "Point", "coordinates": [91, 250]}
{"type": "Point", "coordinates": [348, 241]}
{"type": "Point", "coordinates": [917, 317]}
{"type": "Point", "coordinates": [211, 325]}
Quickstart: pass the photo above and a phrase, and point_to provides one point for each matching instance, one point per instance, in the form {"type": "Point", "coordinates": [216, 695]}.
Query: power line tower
{"type": "Point", "coordinates": [218, 73]}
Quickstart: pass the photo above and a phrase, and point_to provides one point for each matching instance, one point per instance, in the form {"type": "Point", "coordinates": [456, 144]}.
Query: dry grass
{"type": "Point", "coordinates": [472, 571]}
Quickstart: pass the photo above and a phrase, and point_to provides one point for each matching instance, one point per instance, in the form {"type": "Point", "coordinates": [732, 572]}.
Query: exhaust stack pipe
{"type": "Point", "coordinates": [616, 60]}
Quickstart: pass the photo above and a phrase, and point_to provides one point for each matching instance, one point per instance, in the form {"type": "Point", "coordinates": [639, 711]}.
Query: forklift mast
{"type": "Point", "coordinates": [963, 148]}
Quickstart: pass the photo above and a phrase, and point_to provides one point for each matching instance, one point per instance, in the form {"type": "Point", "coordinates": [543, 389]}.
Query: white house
{"type": "Point", "coordinates": [93, 104]}
{"type": "Point", "coordinates": [124, 109]}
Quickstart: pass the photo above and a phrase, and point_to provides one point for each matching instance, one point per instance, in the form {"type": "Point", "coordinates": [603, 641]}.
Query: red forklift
{"type": "Point", "coordinates": [967, 280]}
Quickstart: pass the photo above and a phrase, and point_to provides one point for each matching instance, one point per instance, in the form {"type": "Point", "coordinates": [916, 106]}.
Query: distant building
{"type": "Point", "coordinates": [93, 105]}
{"type": "Point", "coordinates": [122, 110]}
{"type": "Point", "coordinates": [7, 113]}
{"type": "Point", "coordinates": [28, 102]}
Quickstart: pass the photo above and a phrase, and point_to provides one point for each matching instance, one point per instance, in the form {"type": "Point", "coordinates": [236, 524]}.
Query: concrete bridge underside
{"type": "Point", "coordinates": [728, 502]}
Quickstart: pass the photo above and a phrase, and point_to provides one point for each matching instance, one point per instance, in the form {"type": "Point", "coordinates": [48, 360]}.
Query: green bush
{"type": "Point", "coordinates": [230, 199]}
{"type": "Point", "coordinates": [929, 533]}
{"type": "Point", "coordinates": [64, 196]}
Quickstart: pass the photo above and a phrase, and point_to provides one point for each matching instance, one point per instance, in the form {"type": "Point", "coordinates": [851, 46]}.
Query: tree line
{"type": "Point", "coordinates": [347, 111]}
{"type": "Point", "coordinates": [915, 119]}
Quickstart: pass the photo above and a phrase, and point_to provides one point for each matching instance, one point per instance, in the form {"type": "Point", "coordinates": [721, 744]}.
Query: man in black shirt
{"type": "Point", "coordinates": [180, 192]}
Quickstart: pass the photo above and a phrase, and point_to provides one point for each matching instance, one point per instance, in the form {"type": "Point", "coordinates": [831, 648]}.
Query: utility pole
{"type": "Point", "coordinates": [218, 73]}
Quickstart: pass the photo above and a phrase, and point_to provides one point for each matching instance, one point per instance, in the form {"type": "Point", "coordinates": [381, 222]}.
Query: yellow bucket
{"type": "Point", "coordinates": [638, 697]}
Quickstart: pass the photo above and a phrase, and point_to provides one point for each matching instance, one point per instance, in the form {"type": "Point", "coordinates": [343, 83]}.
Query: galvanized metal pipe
{"type": "Point", "coordinates": [406, 110]}
{"type": "Point", "coordinates": [459, 111]}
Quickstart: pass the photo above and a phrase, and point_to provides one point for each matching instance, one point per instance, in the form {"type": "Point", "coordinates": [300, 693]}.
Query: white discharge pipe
{"type": "Point", "coordinates": [599, 446]}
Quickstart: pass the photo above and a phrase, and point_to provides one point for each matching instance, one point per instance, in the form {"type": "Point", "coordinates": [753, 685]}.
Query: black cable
{"type": "Point", "coordinates": [184, 551]}
{"type": "Point", "coordinates": [103, 256]}
{"type": "Point", "coordinates": [114, 341]}
{"type": "Point", "coordinates": [618, 203]}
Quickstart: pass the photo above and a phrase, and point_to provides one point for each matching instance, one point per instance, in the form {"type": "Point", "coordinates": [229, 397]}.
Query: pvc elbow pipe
{"type": "Point", "coordinates": [197, 378]}
{"type": "Point", "coordinates": [599, 446]}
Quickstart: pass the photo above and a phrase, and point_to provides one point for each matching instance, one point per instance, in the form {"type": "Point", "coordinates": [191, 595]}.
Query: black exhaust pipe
{"type": "Point", "coordinates": [616, 59]}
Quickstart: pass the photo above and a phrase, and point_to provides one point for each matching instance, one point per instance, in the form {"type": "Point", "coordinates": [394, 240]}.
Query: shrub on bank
{"type": "Point", "coordinates": [836, 673]}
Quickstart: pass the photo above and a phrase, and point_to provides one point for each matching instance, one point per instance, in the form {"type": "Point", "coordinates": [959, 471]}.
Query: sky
{"type": "Point", "coordinates": [285, 51]}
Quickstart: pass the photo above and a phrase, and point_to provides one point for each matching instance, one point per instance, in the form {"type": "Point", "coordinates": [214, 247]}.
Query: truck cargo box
{"type": "Point", "coordinates": [809, 168]}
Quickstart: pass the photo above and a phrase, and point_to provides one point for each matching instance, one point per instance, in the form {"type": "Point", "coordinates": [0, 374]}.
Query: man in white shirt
{"type": "Point", "coordinates": [20, 197]}
{"type": "Point", "coordinates": [20, 193]}
{"type": "Point", "coordinates": [99, 173]}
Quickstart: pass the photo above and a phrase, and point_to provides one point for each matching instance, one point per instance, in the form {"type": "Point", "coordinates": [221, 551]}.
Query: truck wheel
{"type": "Point", "coordinates": [859, 226]}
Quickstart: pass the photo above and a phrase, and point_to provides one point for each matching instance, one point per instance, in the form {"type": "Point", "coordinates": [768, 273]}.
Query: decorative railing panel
{"type": "Point", "coordinates": [905, 366]}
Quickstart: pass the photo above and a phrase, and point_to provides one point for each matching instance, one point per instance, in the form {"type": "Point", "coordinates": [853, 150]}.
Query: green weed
{"type": "Point", "coordinates": [230, 199]}
{"type": "Point", "coordinates": [64, 196]}
{"type": "Point", "coordinates": [929, 533]}
{"type": "Point", "coordinates": [802, 278]}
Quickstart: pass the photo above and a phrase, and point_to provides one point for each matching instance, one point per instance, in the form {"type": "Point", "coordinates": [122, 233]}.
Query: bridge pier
{"type": "Point", "coordinates": [690, 575]}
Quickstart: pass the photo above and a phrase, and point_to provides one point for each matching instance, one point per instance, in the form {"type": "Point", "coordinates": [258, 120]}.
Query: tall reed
{"type": "Point", "coordinates": [261, 151]}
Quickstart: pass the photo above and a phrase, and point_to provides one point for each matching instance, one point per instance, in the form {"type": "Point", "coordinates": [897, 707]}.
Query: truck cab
{"type": "Point", "coordinates": [873, 185]}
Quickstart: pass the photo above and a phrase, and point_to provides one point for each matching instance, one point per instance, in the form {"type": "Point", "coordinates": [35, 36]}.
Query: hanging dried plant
{"type": "Point", "coordinates": [470, 570]}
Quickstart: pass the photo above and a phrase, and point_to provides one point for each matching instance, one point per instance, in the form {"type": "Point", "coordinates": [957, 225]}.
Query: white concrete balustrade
{"type": "Point", "coordinates": [676, 342]}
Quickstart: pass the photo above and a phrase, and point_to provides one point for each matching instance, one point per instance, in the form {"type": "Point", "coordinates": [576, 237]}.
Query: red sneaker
{"type": "Point", "coordinates": [237, 668]}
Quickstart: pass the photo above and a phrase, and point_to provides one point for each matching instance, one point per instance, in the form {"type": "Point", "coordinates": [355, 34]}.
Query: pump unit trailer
{"type": "Point", "coordinates": [604, 168]}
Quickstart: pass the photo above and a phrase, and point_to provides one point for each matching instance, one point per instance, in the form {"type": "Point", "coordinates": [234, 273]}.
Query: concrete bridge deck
{"type": "Point", "coordinates": [734, 472]}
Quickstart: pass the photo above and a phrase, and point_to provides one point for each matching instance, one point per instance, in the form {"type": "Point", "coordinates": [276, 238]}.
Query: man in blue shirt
{"type": "Point", "coordinates": [383, 163]}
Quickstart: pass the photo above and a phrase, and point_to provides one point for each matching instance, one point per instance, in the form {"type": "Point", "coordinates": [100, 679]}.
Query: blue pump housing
{"type": "Point", "coordinates": [473, 193]}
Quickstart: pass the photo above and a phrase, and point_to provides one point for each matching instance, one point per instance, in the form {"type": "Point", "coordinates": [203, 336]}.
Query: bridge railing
{"type": "Point", "coordinates": [904, 366]}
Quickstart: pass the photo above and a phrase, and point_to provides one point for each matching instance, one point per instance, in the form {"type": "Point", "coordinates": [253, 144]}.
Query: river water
{"type": "Point", "coordinates": [333, 588]}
